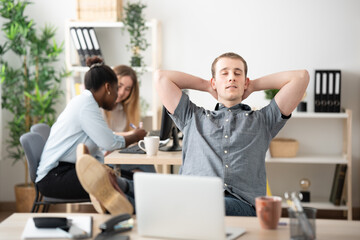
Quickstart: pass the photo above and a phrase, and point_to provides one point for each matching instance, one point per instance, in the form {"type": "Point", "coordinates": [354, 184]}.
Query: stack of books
{"type": "Point", "coordinates": [338, 189]}
{"type": "Point", "coordinates": [327, 90]}
{"type": "Point", "coordinates": [86, 43]}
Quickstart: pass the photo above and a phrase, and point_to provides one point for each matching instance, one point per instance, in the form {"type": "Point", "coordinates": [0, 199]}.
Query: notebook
{"type": "Point", "coordinates": [176, 206]}
{"type": "Point", "coordinates": [82, 226]}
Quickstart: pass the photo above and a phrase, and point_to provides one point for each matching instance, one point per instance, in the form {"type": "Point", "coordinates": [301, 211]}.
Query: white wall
{"type": "Point", "coordinates": [271, 35]}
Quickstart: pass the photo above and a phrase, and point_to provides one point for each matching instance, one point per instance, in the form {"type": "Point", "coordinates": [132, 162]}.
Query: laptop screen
{"type": "Point", "coordinates": [176, 206]}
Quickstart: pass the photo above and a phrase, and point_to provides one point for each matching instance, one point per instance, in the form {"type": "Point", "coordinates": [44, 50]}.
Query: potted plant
{"type": "Point", "coordinates": [270, 93]}
{"type": "Point", "coordinates": [134, 22]}
{"type": "Point", "coordinates": [30, 82]}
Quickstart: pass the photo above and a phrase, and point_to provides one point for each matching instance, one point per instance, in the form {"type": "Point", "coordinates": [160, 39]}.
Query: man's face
{"type": "Point", "coordinates": [230, 81]}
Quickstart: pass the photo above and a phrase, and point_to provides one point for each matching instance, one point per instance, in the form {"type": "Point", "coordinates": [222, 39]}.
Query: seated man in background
{"type": "Point", "coordinates": [231, 141]}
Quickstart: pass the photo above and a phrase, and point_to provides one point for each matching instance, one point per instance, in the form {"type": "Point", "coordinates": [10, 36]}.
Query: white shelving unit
{"type": "Point", "coordinates": [317, 160]}
{"type": "Point", "coordinates": [155, 59]}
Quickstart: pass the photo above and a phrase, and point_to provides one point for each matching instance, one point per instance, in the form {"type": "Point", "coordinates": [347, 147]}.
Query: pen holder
{"type": "Point", "coordinates": [296, 230]}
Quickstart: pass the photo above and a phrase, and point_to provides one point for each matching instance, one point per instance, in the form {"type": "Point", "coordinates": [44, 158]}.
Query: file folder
{"type": "Point", "coordinates": [95, 43]}
{"type": "Point", "coordinates": [88, 42]}
{"type": "Point", "coordinates": [77, 46]}
{"type": "Point", "coordinates": [337, 91]}
{"type": "Point", "coordinates": [330, 102]}
{"type": "Point", "coordinates": [317, 91]}
{"type": "Point", "coordinates": [327, 91]}
{"type": "Point", "coordinates": [83, 43]}
{"type": "Point", "coordinates": [324, 94]}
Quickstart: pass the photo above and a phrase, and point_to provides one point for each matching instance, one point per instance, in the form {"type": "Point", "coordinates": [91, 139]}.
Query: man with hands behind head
{"type": "Point", "coordinates": [231, 141]}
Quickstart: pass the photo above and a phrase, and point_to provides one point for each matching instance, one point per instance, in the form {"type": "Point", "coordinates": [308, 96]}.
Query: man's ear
{"type": "Point", "coordinates": [213, 83]}
{"type": "Point", "coordinates": [247, 81]}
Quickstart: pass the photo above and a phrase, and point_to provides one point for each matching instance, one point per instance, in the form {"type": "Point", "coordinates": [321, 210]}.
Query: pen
{"type": "Point", "coordinates": [132, 125]}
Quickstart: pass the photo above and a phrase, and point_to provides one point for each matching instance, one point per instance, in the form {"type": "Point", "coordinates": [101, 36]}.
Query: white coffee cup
{"type": "Point", "coordinates": [151, 144]}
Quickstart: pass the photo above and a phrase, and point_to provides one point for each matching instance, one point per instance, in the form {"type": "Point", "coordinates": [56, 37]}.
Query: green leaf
{"type": "Point", "coordinates": [31, 73]}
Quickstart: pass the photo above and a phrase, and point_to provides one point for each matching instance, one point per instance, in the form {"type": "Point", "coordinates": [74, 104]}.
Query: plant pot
{"type": "Point", "coordinates": [135, 61]}
{"type": "Point", "coordinates": [25, 195]}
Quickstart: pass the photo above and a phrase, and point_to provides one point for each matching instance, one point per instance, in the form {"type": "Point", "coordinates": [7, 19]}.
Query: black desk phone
{"type": "Point", "coordinates": [112, 227]}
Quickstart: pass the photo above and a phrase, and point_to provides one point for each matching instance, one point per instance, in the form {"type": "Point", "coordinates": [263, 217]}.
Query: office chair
{"type": "Point", "coordinates": [41, 128]}
{"type": "Point", "coordinates": [33, 145]}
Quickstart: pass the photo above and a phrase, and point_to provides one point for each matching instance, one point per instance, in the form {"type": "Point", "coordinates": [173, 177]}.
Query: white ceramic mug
{"type": "Point", "coordinates": [151, 144]}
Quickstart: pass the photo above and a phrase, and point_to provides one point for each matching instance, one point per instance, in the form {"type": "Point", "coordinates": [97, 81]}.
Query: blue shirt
{"type": "Point", "coordinates": [229, 143]}
{"type": "Point", "coordinates": [80, 122]}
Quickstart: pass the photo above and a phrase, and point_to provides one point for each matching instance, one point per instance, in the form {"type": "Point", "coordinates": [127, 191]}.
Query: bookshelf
{"type": "Point", "coordinates": [153, 61]}
{"type": "Point", "coordinates": [325, 140]}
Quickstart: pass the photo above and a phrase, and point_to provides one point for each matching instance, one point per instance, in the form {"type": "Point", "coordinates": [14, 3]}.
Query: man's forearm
{"type": "Point", "coordinates": [276, 80]}
{"type": "Point", "coordinates": [170, 83]}
{"type": "Point", "coordinates": [292, 85]}
{"type": "Point", "coordinates": [184, 81]}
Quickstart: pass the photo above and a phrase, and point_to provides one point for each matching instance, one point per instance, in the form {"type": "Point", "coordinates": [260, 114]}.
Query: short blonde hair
{"type": "Point", "coordinates": [228, 55]}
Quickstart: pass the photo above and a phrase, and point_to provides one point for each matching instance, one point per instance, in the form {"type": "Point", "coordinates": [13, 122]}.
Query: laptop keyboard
{"type": "Point", "coordinates": [132, 149]}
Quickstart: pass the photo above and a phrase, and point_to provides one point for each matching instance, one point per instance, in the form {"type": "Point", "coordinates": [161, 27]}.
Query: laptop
{"type": "Point", "coordinates": [183, 207]}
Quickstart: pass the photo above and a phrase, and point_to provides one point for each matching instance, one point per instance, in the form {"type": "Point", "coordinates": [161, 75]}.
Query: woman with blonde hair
{"type": "Point", "coordinates": [127, 112]}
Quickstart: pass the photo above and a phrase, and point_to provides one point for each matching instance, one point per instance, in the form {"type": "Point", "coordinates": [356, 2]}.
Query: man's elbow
{"type": "Point", "coordinates": [159, 77]}
{"type": "Point", "coordinates": [304, 76]}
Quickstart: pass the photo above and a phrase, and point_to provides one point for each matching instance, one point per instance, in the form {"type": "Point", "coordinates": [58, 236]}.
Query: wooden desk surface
{"type": "Point", "coordinates": [13, 226]}
{"type": "Point", "coordinates": [162, 161]}
{"type": "Point", "coordinates": [169, 158]}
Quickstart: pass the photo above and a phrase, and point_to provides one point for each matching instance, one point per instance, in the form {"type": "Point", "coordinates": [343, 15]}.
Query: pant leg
{"type": "Point", "coordinates": [62, 182]}
{"type": "Point", "coordinates": [128, 190]}
{"type": "Point", "coordinates": [144, 168]}
{"type": "Point", "coordinates": [237, 207]}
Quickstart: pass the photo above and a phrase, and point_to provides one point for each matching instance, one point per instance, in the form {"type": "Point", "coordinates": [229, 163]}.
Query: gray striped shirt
{"type": "Point", "coordinates": [229, 143]}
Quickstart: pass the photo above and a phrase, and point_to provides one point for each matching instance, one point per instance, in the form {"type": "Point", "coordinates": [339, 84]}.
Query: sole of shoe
{"type": "Point", "coordinates": [94, 178]}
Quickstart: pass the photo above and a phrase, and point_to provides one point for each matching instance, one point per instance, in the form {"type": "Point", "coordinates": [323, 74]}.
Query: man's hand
{"type": "Point", "coordinates": [248, 90]}
{"type": "Point", "coordinates": [212, 91]}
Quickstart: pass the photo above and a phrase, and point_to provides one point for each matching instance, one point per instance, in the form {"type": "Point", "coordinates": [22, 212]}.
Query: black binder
{"type": "Point", "coordinates": [83, 43]}
{"type": "Point", "coordinates": [95, 42]}
{"type": "Point", "coordinates": [77, 46]}
{"type": "Point", "coordinates": [337, 91]}
{"type": "Point", "coordinates": [327, 90]}
{"type": "Point", "coordinates": [88, 42]}
{"type": "Point", "coordinates": [330, 102]}
{"type": "Point", "coordinates": [324, 93]}
{"type": "Point", "coordinates": [317, 91]}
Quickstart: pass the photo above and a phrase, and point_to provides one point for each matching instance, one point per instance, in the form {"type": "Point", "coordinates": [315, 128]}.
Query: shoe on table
{"type": "Point", "coordinates": [94, 178]}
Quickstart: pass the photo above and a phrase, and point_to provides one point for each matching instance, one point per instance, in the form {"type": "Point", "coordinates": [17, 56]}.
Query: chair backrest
{"type": "Point", "coordinates": [33, 145]}
{"type": "Point", "coordinates": [41, 128]}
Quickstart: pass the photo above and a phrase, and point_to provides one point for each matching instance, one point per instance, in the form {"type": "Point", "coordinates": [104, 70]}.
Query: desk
{"type": "Point", "coordinates": [13, 226]}
{"type": "Point", "coordinates": [164, 159]}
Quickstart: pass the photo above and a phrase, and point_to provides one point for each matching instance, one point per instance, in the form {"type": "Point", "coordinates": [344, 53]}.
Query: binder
{"type": "Point", "coordinates": [317, 91]}
{"type": "Point", "coordinates": [337, 91]}
{"type": "Point", "coordinates": [95, 42]}
{"type": "Point", "coordinates": [88, 42]}
{"type": "Point", "coordinates": [77, 46]}
{"type": "Point", "coordinates": [334, 183]}
{"type": "Point", "coordinates": [324, 94]}
{"type": "Point", "coordinates": [341, 181]}
{"type": "Point", "coordinates": [330, 102]}
{"type": "Point", "coordinates": [327, 91]}
{"type": "Point", "coordinates": [83, 43]}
